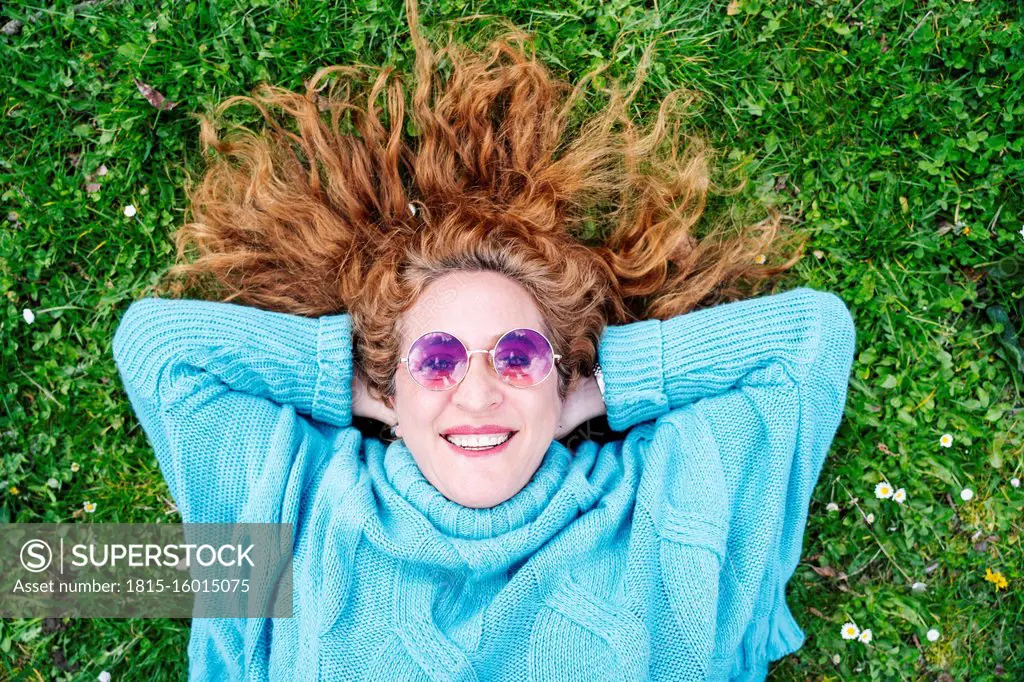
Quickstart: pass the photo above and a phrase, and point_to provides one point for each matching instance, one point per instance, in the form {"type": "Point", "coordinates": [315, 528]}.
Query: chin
{"type": "Point", "coordinates": [472, 502]}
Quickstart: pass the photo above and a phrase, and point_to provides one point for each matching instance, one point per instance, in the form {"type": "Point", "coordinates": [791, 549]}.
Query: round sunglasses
{"type": "Point", "coordinates": [439, 361]}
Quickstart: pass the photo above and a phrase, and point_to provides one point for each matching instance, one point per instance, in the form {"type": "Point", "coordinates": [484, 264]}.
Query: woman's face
{"type": "Point", "coordinates": [476, 307]}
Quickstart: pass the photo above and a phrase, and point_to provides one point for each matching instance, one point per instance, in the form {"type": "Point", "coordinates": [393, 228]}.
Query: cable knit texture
{"type": "Point", "coordinates": [663, 555]}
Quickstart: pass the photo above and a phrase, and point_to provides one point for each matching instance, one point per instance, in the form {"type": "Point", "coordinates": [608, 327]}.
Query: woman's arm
{"type": "Point", "coordinates": [652, 367]}
{"type": "Point", "coordinates": [166, 349]}
{"type": "Point", "coordinates": [748, 397]}
{"type": "Point", "coordinates": [218, 386]}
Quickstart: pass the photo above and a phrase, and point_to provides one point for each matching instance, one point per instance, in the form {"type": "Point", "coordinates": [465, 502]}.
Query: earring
{"type": "Point", "coordinates": [394, 430]}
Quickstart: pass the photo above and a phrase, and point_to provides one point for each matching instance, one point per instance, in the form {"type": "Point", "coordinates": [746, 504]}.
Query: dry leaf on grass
{"type": "Point", "coordinates": [154, 97]}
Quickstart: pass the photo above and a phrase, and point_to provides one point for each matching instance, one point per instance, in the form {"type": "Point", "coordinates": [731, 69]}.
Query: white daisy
{"type": "Point", "coordinates": [919, 587]}
{"type": "Point", "coordinates": [849, 631]}
{"type": "Point", "coordinates": [1022, 231]}
{"type": "Point", "coordinates": [1015, 482]}
{"type": "Point", "coordinates": [865, 636]}
{"type": "Point", "coordinates": [835, 659]}
{"type": "Point", "coordinates": [946, 440]}
{"type": "Point", "coordinates": [899, 496]}
{"type": "Point", "coordinates": [883, 490]}
{"type": "Point", "coordinates": [966, 494]}
{"type": "Point", "coordinates": [104, 676]}
{"type": "Point", "coordinates": [29, 316]}
{"type": "Point", "coordinates": [818, 253]}
{"type": "Point", "coordinates": [832, 507]}
{"type": "Point", "coordinates": [102, 170]}
{"type": "Point", "coordinates": [89, 507]}
{"type": "Point", "coordinates": [760, 259]}
{"type": "Point", "coordinates": [870, 518]}
{"type": "Point", "coordinates": [933, 635]}
{"type": "Point", "coordinates": [129, 210]}
{"type": "Point", "coordinates": [74, 466]}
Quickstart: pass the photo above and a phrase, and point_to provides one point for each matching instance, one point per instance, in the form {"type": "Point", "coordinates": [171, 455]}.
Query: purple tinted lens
{"type": "Point", "coordinates": [523, 357]}
{"type": "Point", "coordinates": [438, 361]}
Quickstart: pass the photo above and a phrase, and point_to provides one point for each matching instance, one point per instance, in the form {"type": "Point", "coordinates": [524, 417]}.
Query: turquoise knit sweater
{"type": "Point", "coordinates": [663, 555]}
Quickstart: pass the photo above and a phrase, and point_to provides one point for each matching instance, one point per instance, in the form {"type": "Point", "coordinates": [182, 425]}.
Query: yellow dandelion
{"type": "Point", "coordinates": [967, 230]}
{"type": "Point", "coordinates": [996, 579]}
{"type": "Point", "coordinates": [14, 490]}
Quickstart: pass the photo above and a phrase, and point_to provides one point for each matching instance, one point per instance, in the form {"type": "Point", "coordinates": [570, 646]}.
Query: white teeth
{"type": "Point", "coordinates": [488, 440]}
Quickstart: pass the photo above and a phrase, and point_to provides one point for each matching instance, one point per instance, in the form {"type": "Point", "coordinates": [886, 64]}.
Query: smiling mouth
{"type": "Point", "coordinates": [479, 443]}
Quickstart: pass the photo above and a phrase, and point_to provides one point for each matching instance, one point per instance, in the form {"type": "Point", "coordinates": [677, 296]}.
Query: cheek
{"type": "Point", "coordinates": [414, 405]}
{"type": "Point", "coordinates": [542, 409]}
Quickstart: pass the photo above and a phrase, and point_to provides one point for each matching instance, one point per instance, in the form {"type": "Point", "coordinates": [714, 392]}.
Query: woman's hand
{"type": "Point", "coordinates": [582, 403]}
{"type": "Point", "coordinates": [365, 405]}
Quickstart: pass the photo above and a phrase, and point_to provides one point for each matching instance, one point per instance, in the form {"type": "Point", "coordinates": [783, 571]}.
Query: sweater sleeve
{"type": "Point", "coordinates": [219, 387]}
{"type": "Point", "coordinates": [766, 379]}
{"type": "Point", "coordinates": [653, 366]}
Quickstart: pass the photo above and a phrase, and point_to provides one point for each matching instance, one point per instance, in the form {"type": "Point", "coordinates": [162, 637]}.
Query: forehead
{"type": "Point", "coordinates": [478, 307]}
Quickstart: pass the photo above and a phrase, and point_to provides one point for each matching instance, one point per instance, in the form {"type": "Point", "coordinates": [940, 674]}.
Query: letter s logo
{"type": "Point", "coordinates": [36, 555]}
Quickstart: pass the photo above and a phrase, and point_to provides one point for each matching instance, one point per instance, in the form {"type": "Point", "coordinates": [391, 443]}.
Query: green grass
{"type": "Point", "coordinates": [890, 130]}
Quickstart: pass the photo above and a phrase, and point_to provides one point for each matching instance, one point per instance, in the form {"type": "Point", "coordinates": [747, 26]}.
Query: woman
{"type": "Point", "coordinates": [460, 283]}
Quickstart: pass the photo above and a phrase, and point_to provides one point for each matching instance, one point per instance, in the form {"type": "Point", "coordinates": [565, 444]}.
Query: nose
{"type": "Point", "coordinates": [481, 388]}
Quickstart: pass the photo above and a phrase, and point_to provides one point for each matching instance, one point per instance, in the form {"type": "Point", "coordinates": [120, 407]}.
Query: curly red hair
{"type": "Point", "coordinates": [360, 209]}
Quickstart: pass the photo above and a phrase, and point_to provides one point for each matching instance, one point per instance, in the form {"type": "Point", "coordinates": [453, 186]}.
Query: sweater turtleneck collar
{"type": "Point", "coordinates": [406, 517]}
{"type": "Point", "coordinates": [457, 521]}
